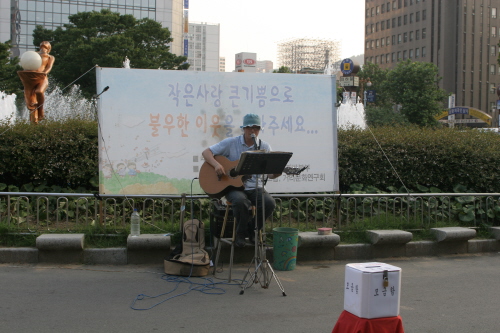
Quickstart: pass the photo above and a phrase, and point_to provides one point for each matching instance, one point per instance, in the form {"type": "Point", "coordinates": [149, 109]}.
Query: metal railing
{"type": "Point", "coordinates": [70, 212]}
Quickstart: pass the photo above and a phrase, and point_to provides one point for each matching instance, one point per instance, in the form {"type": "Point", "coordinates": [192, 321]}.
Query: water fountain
{"type": "Point", "coordinates": [7, 106]}
{"type": "Point", "coordinates": [58, 106]}
{"type": "Point", "coordinates": [351, 114]}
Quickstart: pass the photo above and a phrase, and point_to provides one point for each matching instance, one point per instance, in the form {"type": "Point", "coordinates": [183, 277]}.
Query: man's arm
{"type": "Point", "coordinates": [209, 158]}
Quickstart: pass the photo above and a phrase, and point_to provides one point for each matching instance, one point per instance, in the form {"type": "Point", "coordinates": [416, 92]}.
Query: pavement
{"type": "Point", "coordinates": [449, 294]}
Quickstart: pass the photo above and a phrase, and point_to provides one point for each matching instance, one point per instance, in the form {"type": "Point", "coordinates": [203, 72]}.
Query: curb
{"type": "Point", "coordinates": [122, 256]}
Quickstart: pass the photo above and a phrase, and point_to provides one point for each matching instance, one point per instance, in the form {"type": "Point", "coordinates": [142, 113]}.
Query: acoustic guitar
{"type": "Point", "coordinates": [217, 186]}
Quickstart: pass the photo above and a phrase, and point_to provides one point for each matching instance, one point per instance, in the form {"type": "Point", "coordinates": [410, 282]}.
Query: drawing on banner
{"type": "Point", "coordinates": [155, 124]}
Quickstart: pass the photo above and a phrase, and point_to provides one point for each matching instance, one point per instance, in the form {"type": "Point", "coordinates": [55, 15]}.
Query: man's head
{"type": "Point", "coordinates": [251, 120]}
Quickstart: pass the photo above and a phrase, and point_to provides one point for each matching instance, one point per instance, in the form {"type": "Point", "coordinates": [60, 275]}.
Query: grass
{"type": "Point", "coordinates": [353, 232]}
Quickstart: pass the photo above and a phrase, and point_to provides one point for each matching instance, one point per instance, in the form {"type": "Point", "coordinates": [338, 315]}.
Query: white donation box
{"type": "Point", "coordinates": [372, 290]}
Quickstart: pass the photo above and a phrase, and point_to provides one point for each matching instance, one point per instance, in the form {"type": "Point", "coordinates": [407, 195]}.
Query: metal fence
{"type": "Point", "coordinates": [71, 212]}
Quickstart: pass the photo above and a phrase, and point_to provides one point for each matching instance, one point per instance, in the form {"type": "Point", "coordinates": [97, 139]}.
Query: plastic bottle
{"type": "Point", "coordinates": [135, 223]}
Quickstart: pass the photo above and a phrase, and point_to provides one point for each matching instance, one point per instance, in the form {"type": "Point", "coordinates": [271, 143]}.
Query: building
{"type": "Point", "coordinates": [264, 66]}
{"type": "Point", "coordinates": [245, 62]}
{"type": "Point", "coordinates": [18, 18]}
{"type": "Point", "coordinates": [222, 64]}
{"type": "Point", "coordinates": [302, 53]}
{"type": "Point", "coordinates": [203, 47]}
{"type": "Point", "coordinates": [460, 36]}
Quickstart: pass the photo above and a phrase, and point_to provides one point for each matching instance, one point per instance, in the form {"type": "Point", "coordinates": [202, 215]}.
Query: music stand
{"type": "Point", "coordinates": [261, 163]}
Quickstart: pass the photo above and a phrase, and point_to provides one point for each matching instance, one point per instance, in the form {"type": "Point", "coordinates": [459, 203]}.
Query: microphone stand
{"type": "Point", "coordinates": [259, 164]}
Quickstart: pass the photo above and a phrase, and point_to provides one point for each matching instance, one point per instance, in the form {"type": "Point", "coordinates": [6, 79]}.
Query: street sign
{"type": "Point", "coordinates": [346, 66]}
{"type": "Point", "coordinates": [371, 96]}
{"type": "Point", "coordinates": [349, 81]}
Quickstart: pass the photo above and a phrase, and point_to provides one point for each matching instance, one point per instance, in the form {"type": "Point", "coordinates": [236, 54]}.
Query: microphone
{"type": "Point", "coordinates": [254, 141]}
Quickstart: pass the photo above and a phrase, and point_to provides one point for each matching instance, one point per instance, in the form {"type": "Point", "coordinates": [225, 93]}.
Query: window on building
{"type": "Point", "coordinates": [405, 37]}
{"type": "Point", "coordinates": [368, 12]}
{"type": "Point", "coordinates": [424, 14]}
{"type": "Point", "coordinates": [400, 3]}
{"type": "Point", "coordinates": [394, 5]}
{"type": "Point", "coordinates": [399, 39]}
{"type": "Point", "coordinates": [424, 33]}
{"type": "Point", "coordinates": [382, 25]}
{"type": "Point", "coordinates": [399, 21]}
{"type": "Point", "coordinates": [394, 22]}
{"type": "Point", "coordinates": [405, 19]}
{"type": "Point", "coordinates": [493, 12]}
{"type": "Point", "coordinates": [410, 54]}
{"type": "Point", "coordinates": [387, 41]}
{"type": "Point", "coordinates": [423, 51]}
{"type": "Point", "coordinates": [493, 50]}
{"type": "Point", "coordinates": [411, 36]}
{"type": "Point", "coordinates": [493, 89]}
{"type": "Point", "coordinates": [417, 53]}
{"type": "Point", "coordinates": [382, 8]}
{"type": "Point", "coordinates": [411, 2]}
{"type": "Point", "coordinates": [372, 11]}
{"type": "Point", "coordinates": [376, 27]}
{"type": "Point", "coordinates": [493, 31]}
{"type": "Point", "coordinates": [399, 56]}
{"type": "Point", "coordinates": [378, 10]}
{"type": "Point", "coordinates": [367, 29]}
{"type": "Point", "coordinates": [393, 57]}
{"type": "Point", "coordinates": [388, 24]}
{"type": "Point", "coordinates": [388, 6]}
{"type": "Point", "coordinates": [367, 46]}
{"type": "Point", "coordinates": [405, 55]}
{"type": "Point", "coordinates": [493, 69]}
{"type": "Point", "coordinates": [417, 34]}
{"type": "Point", "coordinates": [406, 3]}
{"type": "Point", "coordinates": [377, 43]}
{"type": "Point", "coordinates": [382, 41]}
{"type": "Point", "coordinates": [372, 28]}
{"type": "Point", "coordinates": [387, 58]}
{"type": "Point", "coordinates": [417, 17]}
{"type": "Point", "coordinates": [376, 59]}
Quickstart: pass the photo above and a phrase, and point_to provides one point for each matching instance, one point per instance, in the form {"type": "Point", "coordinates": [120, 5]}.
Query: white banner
{"type": "Point", "coordinates": [154, 125]}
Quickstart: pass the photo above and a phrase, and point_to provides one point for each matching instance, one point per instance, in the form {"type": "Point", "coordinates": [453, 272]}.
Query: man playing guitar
{"type": "Point", "coordinates": [242, 201]}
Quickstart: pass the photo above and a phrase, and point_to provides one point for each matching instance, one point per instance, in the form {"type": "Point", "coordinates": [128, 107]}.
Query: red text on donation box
{"type": "Point", "coordinates": [372, 290]}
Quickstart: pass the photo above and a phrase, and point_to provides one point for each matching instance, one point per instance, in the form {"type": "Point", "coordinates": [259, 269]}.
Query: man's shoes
{"type": "Point", "coordinates": [240, 240]}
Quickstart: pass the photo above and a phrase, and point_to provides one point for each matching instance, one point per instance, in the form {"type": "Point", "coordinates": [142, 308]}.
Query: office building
{"type": "Point", "coordinates": [460, 36]}
{"type": "Point", "coordinates": [222, 64]}
{"type": "Point", "coordinates": [18, 18]}
{"type": "Point", "coordinates": [203, 47]}
{"type": "Point", "coordinates": [264, 66]}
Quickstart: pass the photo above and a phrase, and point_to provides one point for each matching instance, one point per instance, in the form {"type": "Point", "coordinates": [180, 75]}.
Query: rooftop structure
{"type": "Point", "coordinates": [302, 53]}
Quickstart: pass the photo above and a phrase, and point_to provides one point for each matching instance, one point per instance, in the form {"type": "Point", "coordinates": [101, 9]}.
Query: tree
{"type": "Point", "coordinates": [9, 81]}
{"type": "Point", "coordinates": [105, 38]}
{"type": "Point", "coordinates": [414, 86]}
{"type": "Point", "coordinates": [282, 69]}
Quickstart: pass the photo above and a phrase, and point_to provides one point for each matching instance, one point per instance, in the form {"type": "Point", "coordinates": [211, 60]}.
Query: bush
{"type": "Point", "coordinates": [387, 157]}
{"type": "Point", "coordinates": [54, 153]}
{"type": "Point", "coordinates": [65, 154]}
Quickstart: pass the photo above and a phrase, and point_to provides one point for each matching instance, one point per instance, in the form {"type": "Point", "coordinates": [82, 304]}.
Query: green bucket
{"type": "Point", "coordinates": [285, 242]}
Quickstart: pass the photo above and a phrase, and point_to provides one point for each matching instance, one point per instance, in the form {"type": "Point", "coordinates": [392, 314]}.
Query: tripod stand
{"type": "Point", "coordinates": [261, 163]}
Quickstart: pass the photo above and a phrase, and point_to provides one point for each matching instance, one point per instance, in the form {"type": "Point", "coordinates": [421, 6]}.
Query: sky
{"type": "Point", "coordinates": [258, 26]}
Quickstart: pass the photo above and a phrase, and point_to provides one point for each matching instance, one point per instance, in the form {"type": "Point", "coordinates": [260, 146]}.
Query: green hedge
{"type": "Point", "coordinates": [53, 153]}
{"type": "Point", "coordinates": [440, 158]}
{"type": "Point", "coordinates": [65, 154]}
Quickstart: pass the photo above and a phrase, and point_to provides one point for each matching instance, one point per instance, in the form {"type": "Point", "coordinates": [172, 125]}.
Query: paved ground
{"type": "Point", "coordinates": [440, 294]}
